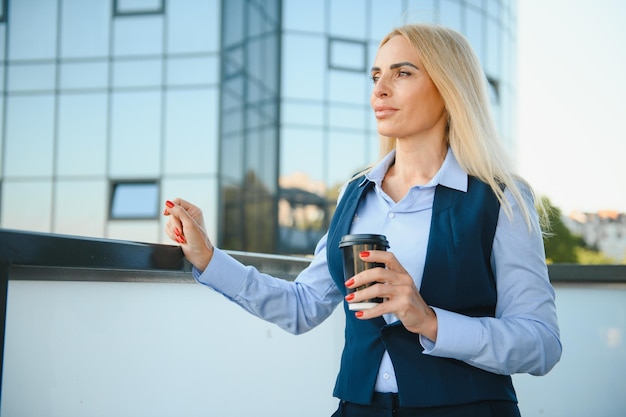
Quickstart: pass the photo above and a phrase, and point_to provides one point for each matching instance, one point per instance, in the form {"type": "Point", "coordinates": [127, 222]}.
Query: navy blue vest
{"type": "Point", "coordinates": [457, 277]}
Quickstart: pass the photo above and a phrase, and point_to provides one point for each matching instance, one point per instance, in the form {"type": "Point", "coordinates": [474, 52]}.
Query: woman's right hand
{"type": "Point", "coordinates": [186, 226]}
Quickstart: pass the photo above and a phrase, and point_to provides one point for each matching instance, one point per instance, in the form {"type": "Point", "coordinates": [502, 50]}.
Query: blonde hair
{"type": "Point", "coordinates": [451, 63]}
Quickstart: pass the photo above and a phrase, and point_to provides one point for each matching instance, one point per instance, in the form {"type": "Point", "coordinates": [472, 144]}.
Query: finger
{"type": "Point", "coordinates": [384, 257]}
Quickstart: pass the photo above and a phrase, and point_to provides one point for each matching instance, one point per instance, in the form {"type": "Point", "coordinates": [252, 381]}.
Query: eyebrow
{"type": "Point", "coordinates": [398, 65]}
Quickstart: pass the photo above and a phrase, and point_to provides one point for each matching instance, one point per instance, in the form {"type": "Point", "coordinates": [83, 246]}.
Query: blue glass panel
{"type": "Point", "coordinates": [33, 29]}
{"type": "Point", "coordinates": [138, 200]}
{"type": "Point", "coordinates": [82, 134]}
{"type": "Point", "coordinates": [303, 66]}
{"type": "Point", "coordinates": [193, 26]}
{"type": "Point", "coordinates": [31, 77]}
{"type": "Point", "coordinates": [136, 134]}
{"type": "Point", "coordinates": [29, 126]}
{"type": "Point", "coordinates": [138, 73]}
{"type": "Point", "coordinates": [347, 18]}
{"type": "Point", "coordinates": [81, 75]}
{"type": "Point", "coordinates": [141, 35]}
{"type": "Point", "coordinates": [348, 55]}
{"type": "Point", "coordinates": [138, 6]}
{"type": "Point", "coordinates": [85, 28]}
{"type": "Point", "coordinates": [193, 71]}
{"type": "Point", "coordinates": [450, 15]}
{"type": "Point", "coordinates": [419, 11]}
{"type": "Point", "coordinates": [299, 15]}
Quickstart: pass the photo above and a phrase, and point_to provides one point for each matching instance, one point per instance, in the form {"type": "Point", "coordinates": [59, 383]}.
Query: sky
{"type": "Point", "coordinates": [571, 123]}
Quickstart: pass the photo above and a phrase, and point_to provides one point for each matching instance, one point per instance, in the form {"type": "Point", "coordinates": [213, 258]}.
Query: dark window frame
{"type": "Point", "coordinates": [157, 11]}
{"type": "Point", "coordinates": [331, 65]}
{"type": "Point", "coordinates": [113, 186]}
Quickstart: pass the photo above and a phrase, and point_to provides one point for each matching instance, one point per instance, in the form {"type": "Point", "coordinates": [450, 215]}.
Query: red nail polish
{"type": "Point", "coordinates": [349, 296]}
{"type": "Point", "coordinates": [180, 239]}
{"type": "Point", "coordinates": [359, 314]}
{"type": "Point", "coordinates": [169, 204]}
{"type": "Point", "coordinates": [349, 282]}
{"type": "Point", "coordinates": [177, 231]}
{"type": "Point", "coordinates": [364, 254]}
{"type": "Point", "coordinates": [166, 212]}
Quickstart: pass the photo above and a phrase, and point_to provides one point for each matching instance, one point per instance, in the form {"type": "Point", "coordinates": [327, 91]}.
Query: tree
{"type": "Point", "coordinates": [560, 243]}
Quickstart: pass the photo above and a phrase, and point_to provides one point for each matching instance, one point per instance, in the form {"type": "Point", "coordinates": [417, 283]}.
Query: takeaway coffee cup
{"type": "Point", "coordinates": [351, 246]}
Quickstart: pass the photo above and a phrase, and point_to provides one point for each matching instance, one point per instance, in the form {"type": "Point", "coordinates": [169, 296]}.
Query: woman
{"type": "Point", "coordinates": [467, 300]}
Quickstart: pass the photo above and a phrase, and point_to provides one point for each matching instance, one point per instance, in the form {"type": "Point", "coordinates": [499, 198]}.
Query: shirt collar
{"type": "Point", "coordinates": [450, 174]}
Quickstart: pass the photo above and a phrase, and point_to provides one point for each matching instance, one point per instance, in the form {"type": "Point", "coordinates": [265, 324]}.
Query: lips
{"type": "Point", "coordinates": [382, 110]}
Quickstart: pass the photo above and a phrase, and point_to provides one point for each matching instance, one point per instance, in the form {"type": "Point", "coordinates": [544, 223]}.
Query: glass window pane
{"type": "Point", "coordinates": [295, 143]}
{"type": "Point", "coordinates": [348, 55]}
{"type": "Point", "coordinates": [303, 67]}
{"type": "Point", "coordinates": [419, 11]}
{"type": "Point", "coordinates": [349, 117]}
{"type": "Point", "coordinates": [193, 26]}
{"type": "Point", "coordinates": [293, 112]}
{"type": "Point", "coordinates": [138, 6]}
{"type": "Point", "coordinates": [304, 15]}
{"type": "Point", "coordinates": [85, 28]}
{"type": "Point", "coordinates": [474, 32]}
{"type": "Point", "coordinates": [348, 87]}
{"type": "Point", "coordinates": [82, 134]}
{"type": "Point", "coordinates": [33, 29]}
{"type": "Point", "coordinates": [26, 205]}
{"type": "Point", "coordinates": [81, 207]}
{"type": "Point", "coordinates": [29, 126]}
{"type": "Point", "coordinates": [191, 124]}
{"type": "Point", "coordinates": [136, 134]}
{"type": "Point", "coordinates": [451, 14]}
{"type": "Point", "coordinates": [33, 77]}
{"type": "Point", "coordinates": [3, 32]}
{"type": "Point", "coordinates": [233, 25]}
{"type": "Point", "coordinates": [492, 60]}
{"type": "Point", "coordinates": [138, 36]}
{"type": "Point", "coordinates": [81, 75]}
{"type": "Point", "coordinates": [138, 73]}
{"type": "Point", "coordinates": [384, 17]}
{"type": "Point", "coordinates": [135, 200]}
{"type": "Point", "coordinates": [352, 11]}
{"type": "Point", "coordinates": [346, 156]}
{"type": "Point", "coordinates": [193, 71]}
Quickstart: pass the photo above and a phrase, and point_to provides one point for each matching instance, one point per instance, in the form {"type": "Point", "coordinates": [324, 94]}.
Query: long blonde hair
{"type": "Point", "coordinates": [451, 63]}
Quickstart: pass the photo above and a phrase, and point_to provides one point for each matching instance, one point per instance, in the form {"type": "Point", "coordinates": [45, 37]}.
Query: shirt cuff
{"type": "Point", "coordinates": [224, 274]}
{"type": "Point", "coordinates": [458, 336]}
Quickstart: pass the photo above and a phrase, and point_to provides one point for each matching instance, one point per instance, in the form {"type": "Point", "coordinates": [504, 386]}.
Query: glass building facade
{"type": "Point", "coordinates": [255, 110]}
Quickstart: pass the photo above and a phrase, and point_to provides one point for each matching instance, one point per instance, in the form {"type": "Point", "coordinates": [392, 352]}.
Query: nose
{"type": "Point", "coordinates": [381, 89]}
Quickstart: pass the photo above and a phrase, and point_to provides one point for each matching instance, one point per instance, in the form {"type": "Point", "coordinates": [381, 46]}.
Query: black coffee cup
{"type": "Point", "coordinates": [351, 246]}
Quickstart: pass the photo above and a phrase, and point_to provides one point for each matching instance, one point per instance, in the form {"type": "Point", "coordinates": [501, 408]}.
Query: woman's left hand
{"type": "Point", "coordinates": [396, 287]}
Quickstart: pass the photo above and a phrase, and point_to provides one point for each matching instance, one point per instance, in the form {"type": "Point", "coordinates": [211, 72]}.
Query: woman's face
{"type": "Point", "coordinates": [405, 101]}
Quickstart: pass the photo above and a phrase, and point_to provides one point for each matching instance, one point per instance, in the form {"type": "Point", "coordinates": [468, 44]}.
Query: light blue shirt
{"type": "Point", "coordinates": [523, 337]}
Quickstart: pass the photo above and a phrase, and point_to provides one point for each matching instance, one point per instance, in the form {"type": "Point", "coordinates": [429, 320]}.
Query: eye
{"type": "Point", "coordinates": [375, 78]}
{"type": "Point", "coordinates": [404, 73]}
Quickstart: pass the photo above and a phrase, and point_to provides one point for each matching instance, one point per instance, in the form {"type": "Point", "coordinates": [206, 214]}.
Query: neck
{"type": "Point", "coordinates": [418, 162]}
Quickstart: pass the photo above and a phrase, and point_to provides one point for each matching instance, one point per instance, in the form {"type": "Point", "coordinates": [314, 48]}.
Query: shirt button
{"type": "Point", "coordinates": [386, 376]}
{"type": "Point", "coordinates": [391, 215]}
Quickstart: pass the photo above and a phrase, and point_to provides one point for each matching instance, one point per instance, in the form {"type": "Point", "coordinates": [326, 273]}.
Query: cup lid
{"type": "Point", "coordinates": [361, 238]}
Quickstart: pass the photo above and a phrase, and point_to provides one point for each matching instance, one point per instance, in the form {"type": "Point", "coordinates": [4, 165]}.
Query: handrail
{"type": "Point", "coordinates": [23, 256]}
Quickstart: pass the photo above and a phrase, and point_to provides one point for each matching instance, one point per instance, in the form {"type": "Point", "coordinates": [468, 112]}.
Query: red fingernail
{"type": "Point", "coordinates": [349, 296]}
{"type": "Point", "coordinates": [166, 212]}
{"type": "Point", "coordinates": [359, 314]}
{"type": "Point", "coordinates": [169, 204]}
{"type": "Point", "coordinates": [180, 239]}
{"type": "Point", "coordinates": [177, 232]}
{"type": "Point", "coordinates": [364, 254]}
{"type": "Point", "coordinates": [349, 282]}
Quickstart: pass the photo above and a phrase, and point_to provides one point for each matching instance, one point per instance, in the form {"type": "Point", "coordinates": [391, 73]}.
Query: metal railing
{"type": "Point", "coordinates": [41, 259]}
